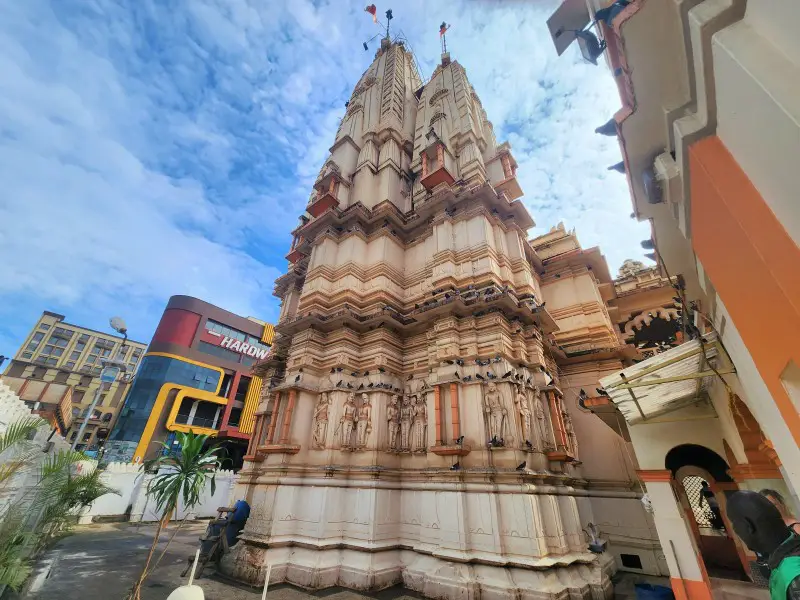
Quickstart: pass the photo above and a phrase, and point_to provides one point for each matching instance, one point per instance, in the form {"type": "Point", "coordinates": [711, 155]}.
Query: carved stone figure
{"type": "Point", "coordinates": [541, 423]}
{"type": "Point", "coordinates": [493, 407]}
{"type": "Point", "coordinates": [364, 421]}
{"type": "Point", "coordinates": [420, 425]}
{"type": "Point", "coordinates": [525, 415]}
{"type": "Point", "coordinates": [406, 415]}
{"type": "Point", "coordinates": [321, 421]}
{"type": "Point", "coordinates": [572, 438]}
{"type": "Point", "coordinates": [347, 421]}
{"type": "Point", "coordinates": [393, 421]}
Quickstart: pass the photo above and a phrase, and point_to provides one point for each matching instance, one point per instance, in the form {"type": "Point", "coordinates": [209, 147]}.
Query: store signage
{"type": "Point", "coordinates": [243, 347]}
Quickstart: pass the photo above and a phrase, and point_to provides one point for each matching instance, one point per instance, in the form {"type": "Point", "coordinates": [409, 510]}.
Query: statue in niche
{"type": "Point", "coordinates": [496, 413]}
{"type": "Point", "coordinates": [541, 423]}
{"type": "Point", "coordinates": [347, 421]}
{"type": "Point", "coordinates": [420, 424]}
{"type": "Point", "coordinates": [525, 415]}
{"type": "Point", "coordinates": [572, 438]}
{"type": "Point", "coordinates": [393, 420]}
{"type": "Point", "coordinates": [406, 416]}
{"type": "Point", "coordinates": [363, 421]}
{"type": "Point", "coordinates": [321, 421]}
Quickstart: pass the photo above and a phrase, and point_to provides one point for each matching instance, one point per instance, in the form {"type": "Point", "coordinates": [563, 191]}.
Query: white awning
{"type": "Point", "coordinates": [665, 382]}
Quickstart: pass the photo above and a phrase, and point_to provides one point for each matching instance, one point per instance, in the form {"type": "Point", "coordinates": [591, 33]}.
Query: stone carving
{"type": "Point", "coordinates": [572, 439]}
{"type": "Point", "coordinates": [393, 421]}
{"type": "Point", "coordinates": [420, 425]}
{"type": "Point", "coordinates": [495, 412]}
{"type": "Point", "coordinates": [347, 422]}
{"type": "Point", "coordinates": [525, 416]}
{"type": "Point", "coordinates": [364, 421]}
{"type": "Point", "coordinates": [406, 416]}
{"type": "Point", "coordinates": [541, 423]}
{"type": "Point", "coordinates": [321, 421]}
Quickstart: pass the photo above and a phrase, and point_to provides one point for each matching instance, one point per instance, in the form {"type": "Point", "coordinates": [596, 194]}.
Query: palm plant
{"type": "Point", "coordinates": [181, 476]}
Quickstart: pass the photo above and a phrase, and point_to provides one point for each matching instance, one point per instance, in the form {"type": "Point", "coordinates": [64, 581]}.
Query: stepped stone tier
{"type": "Point", "coordinates": [415, 430]}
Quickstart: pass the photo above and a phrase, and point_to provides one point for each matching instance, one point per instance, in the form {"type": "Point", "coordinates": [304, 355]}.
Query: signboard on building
{"type": "Point", "coordinates": [243, 347]}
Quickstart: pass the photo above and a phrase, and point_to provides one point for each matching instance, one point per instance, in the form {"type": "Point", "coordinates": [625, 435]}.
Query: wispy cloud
{"type": "Point", "coordinates": [149, 149]}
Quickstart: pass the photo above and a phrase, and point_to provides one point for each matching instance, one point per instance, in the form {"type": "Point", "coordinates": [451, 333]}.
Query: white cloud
{"type": "Point", "coordinates": [148, 150]}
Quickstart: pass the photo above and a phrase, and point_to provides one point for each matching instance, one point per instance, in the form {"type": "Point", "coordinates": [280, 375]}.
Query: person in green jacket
{"type": "Point", "coordinates": [759, 524]}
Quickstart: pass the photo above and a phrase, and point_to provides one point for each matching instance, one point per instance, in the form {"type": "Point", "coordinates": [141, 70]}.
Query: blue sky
{"type": "Point", "coordinates": [153, 148]}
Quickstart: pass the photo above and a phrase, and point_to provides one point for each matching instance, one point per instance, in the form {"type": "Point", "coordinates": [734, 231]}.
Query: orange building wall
{"type": "Point", "coordinates": [752, 262]}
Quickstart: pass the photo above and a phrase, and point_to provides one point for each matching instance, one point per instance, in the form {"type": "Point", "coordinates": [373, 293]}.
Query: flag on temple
{"type": "Point", "coordinates": [371, 9]}
{"type": "Point", "coordinates": [443, 28]}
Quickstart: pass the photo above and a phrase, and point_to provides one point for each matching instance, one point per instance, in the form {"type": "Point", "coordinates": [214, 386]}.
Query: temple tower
{"type": "Point", "coordinates": [414, 430]}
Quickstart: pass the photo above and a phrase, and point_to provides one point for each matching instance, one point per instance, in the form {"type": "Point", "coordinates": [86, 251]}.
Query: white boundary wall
{"type": "Point", "coordinates": [132, 500]}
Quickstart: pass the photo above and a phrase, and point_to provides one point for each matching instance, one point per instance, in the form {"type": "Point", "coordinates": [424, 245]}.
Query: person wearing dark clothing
{"type": "Point", "coordinates": [711, 501]}
{"type": "Point", "coordinates": [759, 524]}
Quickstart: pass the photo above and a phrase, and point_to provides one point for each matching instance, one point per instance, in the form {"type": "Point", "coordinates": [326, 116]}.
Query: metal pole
{"type": "Point", "coordinates": [88, 413]}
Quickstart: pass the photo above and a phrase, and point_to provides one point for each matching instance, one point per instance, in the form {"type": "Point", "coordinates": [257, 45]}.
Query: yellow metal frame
{"type": "Point", "coordinates": [161, 398]}
{"type": "Point", "coordinates": [194, 393]}
{"type": "Point", "coordinates": [251, 401]}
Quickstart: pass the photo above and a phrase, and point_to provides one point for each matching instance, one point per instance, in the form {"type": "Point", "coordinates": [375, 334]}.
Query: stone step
{"type": "Point", "coordinates": [728, 589]}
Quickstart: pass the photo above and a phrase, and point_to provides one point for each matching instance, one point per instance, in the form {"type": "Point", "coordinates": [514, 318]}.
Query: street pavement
{"type": "Point", "coordinates": [101, 561]}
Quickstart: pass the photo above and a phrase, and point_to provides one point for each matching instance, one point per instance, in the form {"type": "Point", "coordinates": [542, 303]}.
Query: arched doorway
{"type": "Point", "coordinates": [702, 483]}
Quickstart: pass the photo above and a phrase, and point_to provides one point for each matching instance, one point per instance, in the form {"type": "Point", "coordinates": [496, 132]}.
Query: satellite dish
{"type": "Point", "coordinates": [118, 325]}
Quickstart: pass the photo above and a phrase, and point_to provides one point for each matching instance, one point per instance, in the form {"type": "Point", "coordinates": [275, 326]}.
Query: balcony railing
{"type": "Point", "coordinates": [196, 421]}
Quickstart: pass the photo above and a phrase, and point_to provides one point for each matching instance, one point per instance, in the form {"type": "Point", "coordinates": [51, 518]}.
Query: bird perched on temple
{"type": "Point", "coordinates": [349, 385]}
{"type": "Point", "coordinates": [361, 387]}
{"type": "Point", "coordinates": [333, 370]}
{"type": "Point", "coordinates": [457, 375]}
{"type": "Point", "coordinates": [521, 466]}
{"type": "Point", "coordinates": [354, 374]}
{"type": "Point", "coordinates": [296, 379]}
{"type": "Point", "coordinates": [467, 378]}
{"type": "Point", "coordinates": [507, 374]}
{"type": "Point", "coordinates": [410, 377]}
{"type": "Point", "coordinates": [491, 375]}
{"type": "Point", "coordinates": [528, 444]}
{"type": "Point", "coordinates": [602, 392]}
{"type": "Point", "coordinates": [497, 358]}
{"type": "Point", "coordinates": [460, 440]}
{"type": "Point", "coordinates": [371, 385]}
{"type": "Point", "coordinates": [381, 370]}
{"type": "Point", "coordinates": [528, 380]}
{"type": "Point", "coordinates": [455, 467]}
{"type": "Point", "coordinates": [339, 384]}
{"type": "Point", "coordinates": [339, 369]}
{"type": "Point", "coordinates": [479, 376]}
{"type": "Point", "coordinates": [448, 362]}
{"type": "Point", "coordinates": [459, 362]}
{"type": "Point", "coordinates": [366, 373]}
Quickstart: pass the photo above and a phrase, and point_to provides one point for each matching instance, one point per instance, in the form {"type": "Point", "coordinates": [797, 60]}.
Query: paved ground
{"type": "Point", "coordinates": [100, 562]}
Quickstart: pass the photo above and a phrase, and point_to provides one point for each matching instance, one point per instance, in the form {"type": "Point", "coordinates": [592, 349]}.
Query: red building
{"type": "Point", "coordinates": [195, 376]}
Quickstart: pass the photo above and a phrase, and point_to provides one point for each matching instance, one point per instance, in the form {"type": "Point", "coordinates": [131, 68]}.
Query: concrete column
{"type": "Point", "coordinates": [287, 418]}
{"type": "Point", "coordinates": [192, 411]}
{"type": "Point", "coordinates": [454, 411]}
{"type": "Point", "coordinates": [688, 576]}
{"type": "Point", "coordinates": [437, 409]}
{"type": "Point", "coordinates": [274, 420]}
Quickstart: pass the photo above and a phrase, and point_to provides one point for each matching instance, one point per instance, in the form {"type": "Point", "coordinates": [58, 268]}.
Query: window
{"type": "Point", "coordinates": [97, 349]}
{"type": "Point", "coordinates": [241, 389]}
{"type": "Point", "coordinates": [70, 364]}
{"type": "Point", "coordinates": [26, 355]}
{"type": "Point", "coordinates": [77, 396]}
{"type": "Point", "coordinates": [134, 359]}
{"type": "Point", "coordinates": [137, 353]}
{"type": "Point", "coordinates": [75, 412]}
{"type": "Point", "coordinates": [48, 350]}
{"type": "Point", "coordinates": [106, 352]}
{"type": "Point", "coordinates": [630, 561]}
{"type": "Point", "coordinates": [227, 379]}
{"type": "Point", "coordinates": [90, 359]}
{"type": "Point", "coordinates": [57, 341]}
{"type": "Point", "coordinates": [61, 377]}
{"type": "Point", "coordinates": [58, 351]}
{"type": "Point", "coordinates": [38, 372]}
{"type": "Point", "coordinates": [87, 436]}
{"type": "Point", "coordinates": [73, 436]}
{"type": "Point", "coordinates": [75, 356]}
{"type": "Point", "coordinates": [44, 326]}
{"type": "Point", "coordinates": [52, 361]}
{"type": "Point", "coordinates": [85, 380]}
{"type": "Point", "coordinates": [121, 355]}
{"type": "Point", "coordinates": [97, 370]}
{"type": "Point", "coordinates": [38, 336]}
{"type": "Point", "coordinates": [107, 417]}
{"type": "Point", "coordinates": [236, 416]}
{"type": "Point", "coordinates": [80, 346]}
{"type": "Point", "coordinates": [32, 346]}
